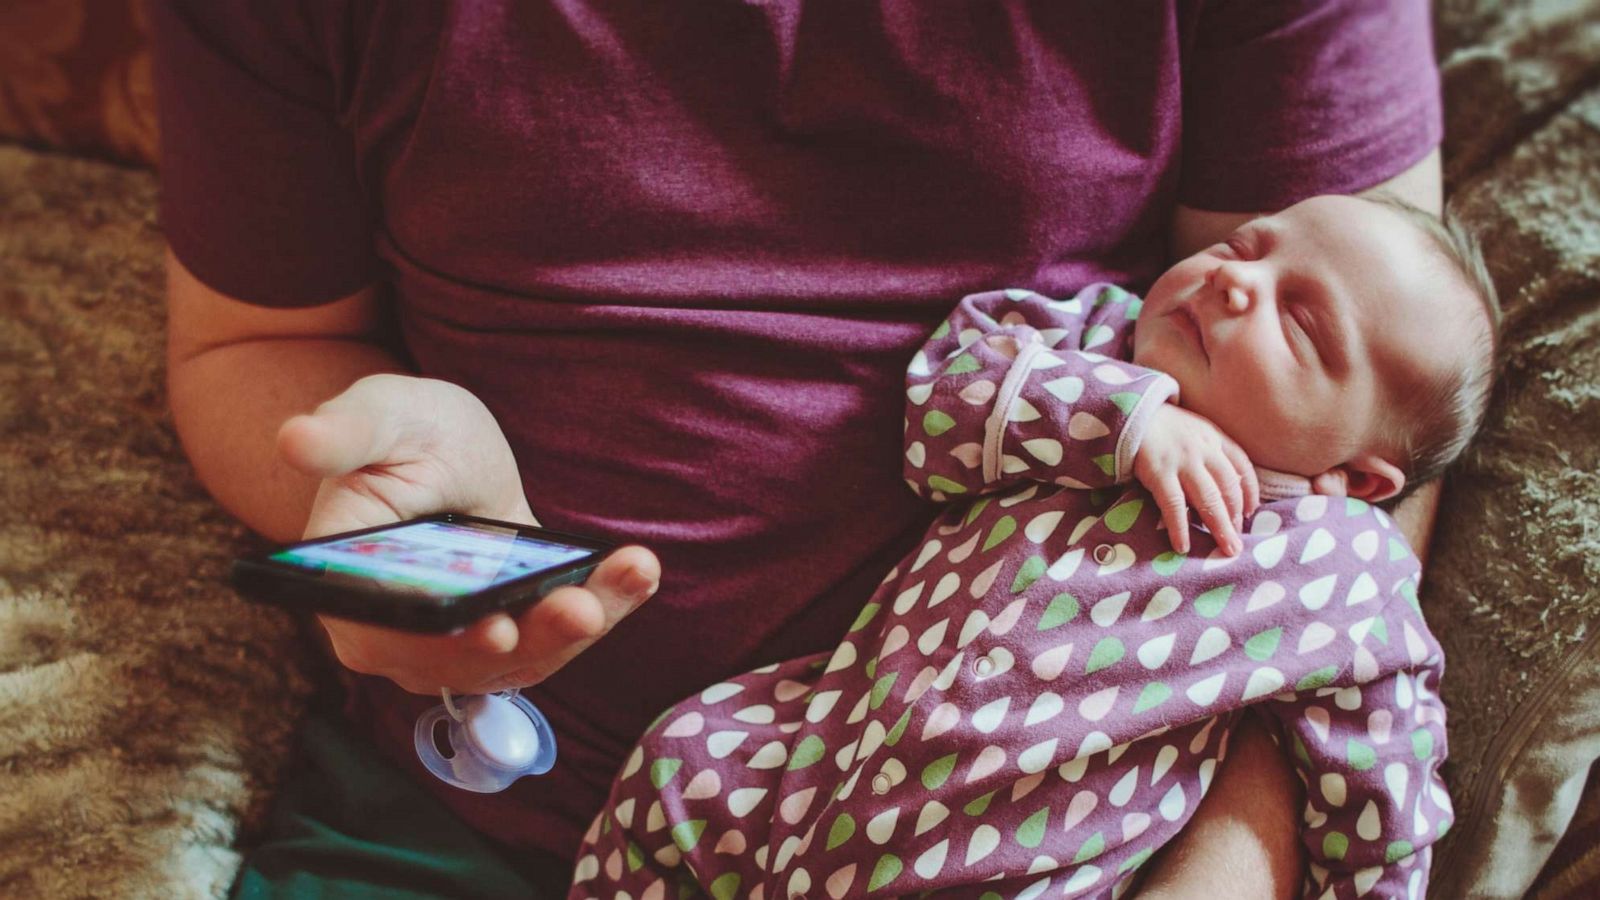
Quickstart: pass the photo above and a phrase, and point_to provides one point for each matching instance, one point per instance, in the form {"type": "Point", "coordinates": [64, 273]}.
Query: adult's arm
{"type": "Point", "coordinates": [1242, 842]}
{"type": "Point", "coordinates": [236, 371]}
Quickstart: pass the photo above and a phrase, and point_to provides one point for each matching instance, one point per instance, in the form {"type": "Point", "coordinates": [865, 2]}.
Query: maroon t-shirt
{"type": "Point", "coordinates": [684, 251]}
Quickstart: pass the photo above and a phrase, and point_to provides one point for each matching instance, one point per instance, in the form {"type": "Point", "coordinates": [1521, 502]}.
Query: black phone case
{"type": "Point", "coordinates": [258, 579]}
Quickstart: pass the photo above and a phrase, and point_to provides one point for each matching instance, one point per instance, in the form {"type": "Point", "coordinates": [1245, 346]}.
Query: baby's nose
{"type": "Point", "coordinates": [1233, 286]}
{"type": "Point", "coordinates": [1237, 300]}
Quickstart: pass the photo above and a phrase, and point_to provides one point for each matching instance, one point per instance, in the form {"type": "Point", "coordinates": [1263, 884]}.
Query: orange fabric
{"type": "Point", "coordinates": [75, 75]}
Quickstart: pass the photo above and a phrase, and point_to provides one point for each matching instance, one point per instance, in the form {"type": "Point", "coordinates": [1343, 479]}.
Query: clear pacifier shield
{"type": "Point", "coordinates": [496, 740]}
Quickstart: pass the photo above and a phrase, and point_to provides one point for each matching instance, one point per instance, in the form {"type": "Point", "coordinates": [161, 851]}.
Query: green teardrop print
{"type": "Point", "coordinates": [726, 886]}
{"type": "Point", "coordinates": [1262, 645]}
{"type": "Point", "coordinates": [1314, 680]}
{"type": "Point", "coordinates": [865, 616]}
{"type": "Point", "coordinates": [1154, 694]}
{"type": "Point", "coordinates": [662, 770]}
{"type": "Point", "coordinates": [887, 870]}
{"type": "Point", "coordinates": [1168, 563]}
{"type": "Point", "coordinates": [635, 857]}
{"type": "Point", "coordinates": [1397, 850]}
{"type": "Point", "coordinates": [1105, 653]}
{"type": "Point", "coordinates": [1091, 848]}
{"type": "Point", "coordinates": [807, 752]}
{"type": "Point", "coordinates": [1030, 833]}
{"type": "Point", "coordinates": [1123, 515]}
{"type": "Point", "coordinates": [979, 806]}
{"type": "Point", "coordinates": [1422, 743]}
{"type": "Point", "coordinates": [1211, 603]}
{"type": "Point", "coordinates": [1003, 528]}
{"type": "Point", "coordinates": [893, 737]}
{"type": "Point", "coordinates": [843, 828]}
{"type": "Point", "coordinates": [881, 688]}
{"type": "Point", "coordinates": [1028, 573]}
{"type": "Point", "coordinates": [1062, 609]}
{"type": "Point", "coordinates": [687, 834]}
{"type": "Point", "coordinates": [978, 507]}
{"type": "Point", "coordinates": [1361, 756]}
{"type": "Point", "coordinates": [938, 772]}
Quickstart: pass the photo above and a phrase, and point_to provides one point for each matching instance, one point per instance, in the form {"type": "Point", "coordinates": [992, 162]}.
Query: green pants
{"type": "Point", "coordinates": [347, 823]}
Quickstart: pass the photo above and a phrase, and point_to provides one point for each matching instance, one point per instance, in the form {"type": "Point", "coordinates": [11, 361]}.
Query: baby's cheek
{"type": "Point", "coordinates": [1259, 407]}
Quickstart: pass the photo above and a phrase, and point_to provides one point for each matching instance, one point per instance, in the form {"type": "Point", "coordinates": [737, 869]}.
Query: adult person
{"type": "Point", "coordinates": [661, 266]}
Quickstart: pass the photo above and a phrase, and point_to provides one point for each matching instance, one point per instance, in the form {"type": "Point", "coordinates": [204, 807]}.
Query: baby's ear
{"type": "Point", "coordinates": [1369, 477]}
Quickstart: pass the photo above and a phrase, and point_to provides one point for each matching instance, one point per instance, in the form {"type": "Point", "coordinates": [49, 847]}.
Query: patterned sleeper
{"type": "Point", "coordinates": [1037, 698]}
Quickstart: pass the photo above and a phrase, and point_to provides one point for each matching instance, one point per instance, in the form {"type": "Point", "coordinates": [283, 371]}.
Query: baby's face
{"type": "Point", "coordinates": [1297, 334]}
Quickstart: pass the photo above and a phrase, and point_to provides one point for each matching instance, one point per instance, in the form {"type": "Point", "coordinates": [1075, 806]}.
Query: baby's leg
{"type": "Point", "coordinates": [694, 801]}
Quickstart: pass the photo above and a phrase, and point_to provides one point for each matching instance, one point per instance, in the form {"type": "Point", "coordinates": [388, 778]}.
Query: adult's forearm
{"type": "Point", "coordinates": [1415, 516]}
{"type": "Point", "coordinates": [1244, 840]}
{"type": "Point", "coordinates": [228, 402]}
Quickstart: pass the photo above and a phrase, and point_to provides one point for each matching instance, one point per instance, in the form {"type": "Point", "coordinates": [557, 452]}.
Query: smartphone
{"type": "Point", "coordinates": [434, 573]}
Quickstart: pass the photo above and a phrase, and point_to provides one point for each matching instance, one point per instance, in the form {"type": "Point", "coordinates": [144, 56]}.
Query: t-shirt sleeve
{"type": "Point", "coordinates": [260, 197]}
{"type": "Point", "coordinates": [1293, 98]}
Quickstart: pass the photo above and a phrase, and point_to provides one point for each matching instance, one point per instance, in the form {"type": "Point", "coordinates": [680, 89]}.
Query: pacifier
{"type": "Point", "coordinates": [486, 741]}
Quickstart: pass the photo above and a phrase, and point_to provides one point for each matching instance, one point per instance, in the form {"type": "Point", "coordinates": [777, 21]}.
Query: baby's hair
{"type": "Point", "coordinates": [1435, 426]}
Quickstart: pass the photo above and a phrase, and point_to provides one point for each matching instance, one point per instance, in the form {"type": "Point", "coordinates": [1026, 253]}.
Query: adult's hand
{"type": "Point", "coordinates": [394, 447]}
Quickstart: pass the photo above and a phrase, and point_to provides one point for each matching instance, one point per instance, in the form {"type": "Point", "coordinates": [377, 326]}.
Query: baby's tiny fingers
{"type": "Point", "coordinates": [1247, 473]}
{"type": "Point", "coordinates": [1174, 511]}
{"type": "Point", "coordinates": [1231, 485]}
{"type": "Point", "coordinates": [1207, 499]}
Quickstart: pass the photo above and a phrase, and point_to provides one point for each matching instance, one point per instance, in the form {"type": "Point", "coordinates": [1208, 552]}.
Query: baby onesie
{"type": "Point", "coordinates": [1035, 700]}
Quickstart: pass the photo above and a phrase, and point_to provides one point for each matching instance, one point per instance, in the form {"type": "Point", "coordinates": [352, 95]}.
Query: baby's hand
{"type": "Point", "coordinates": [1184, 455]}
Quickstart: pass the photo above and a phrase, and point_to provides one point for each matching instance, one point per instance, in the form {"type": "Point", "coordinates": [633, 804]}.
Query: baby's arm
{"type": "Point", "coordinates": [1365, 727]}
{"type": "Point", "coordinates": [1016, 386]}
{"type": "Point", "coordinates": [1369, 756]}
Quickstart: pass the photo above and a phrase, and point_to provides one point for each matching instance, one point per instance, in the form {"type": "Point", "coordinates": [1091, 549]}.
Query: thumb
{"type": "Point", "coordinates": [336, 439]}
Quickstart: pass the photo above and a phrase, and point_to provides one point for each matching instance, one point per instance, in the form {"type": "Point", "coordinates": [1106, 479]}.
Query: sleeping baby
{"type": "Point", "coordinates": [1036, 699]}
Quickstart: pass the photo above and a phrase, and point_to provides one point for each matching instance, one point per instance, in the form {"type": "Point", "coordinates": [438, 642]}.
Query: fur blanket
{"type": "Point", "coordinates": [145, 712]}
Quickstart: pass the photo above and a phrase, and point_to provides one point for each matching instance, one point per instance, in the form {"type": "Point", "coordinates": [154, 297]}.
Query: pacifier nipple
{"type": "Point", "coordinates": [501, 732]}
{"type": "Point", "coordinates": [485, 742]}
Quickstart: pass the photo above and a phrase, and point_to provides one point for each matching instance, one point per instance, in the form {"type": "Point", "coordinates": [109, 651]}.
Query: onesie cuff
{"type": "Point", "coordinates": [1006, 397]}
{"type": "Point", "coordinates": [1164, 388]}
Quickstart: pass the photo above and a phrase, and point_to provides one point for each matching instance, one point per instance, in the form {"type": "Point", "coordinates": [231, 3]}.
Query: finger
{"type": "Point", "coordinates": [1174, 511]}
{"type": "Point", "coordinates": [1207, 499]}
{"type": "Point", "coordinates": [496, 633]}
{"type": "Point", "coordinates": [1247, 476]}
{"type": "Point", "coordinates": [422, 663]}
{"type": "Point", "coordinates": [553, 631]}
{"type": "Point", "coordinates": [335, 440]}
{"type": "Point", "coordinates": [570, 619]}
{"type": "Point", "coordinates": [623, 580]}
{"type": "Point", "coordinates": [1231, 485]}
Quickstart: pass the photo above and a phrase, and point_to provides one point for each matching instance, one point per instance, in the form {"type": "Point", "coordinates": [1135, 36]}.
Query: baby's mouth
{"type": "Point", "coordinates": [1187, 321]}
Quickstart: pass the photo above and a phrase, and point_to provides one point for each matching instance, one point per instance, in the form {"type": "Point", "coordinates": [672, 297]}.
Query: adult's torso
{"type": "Point", "coordinates": [684, 252]}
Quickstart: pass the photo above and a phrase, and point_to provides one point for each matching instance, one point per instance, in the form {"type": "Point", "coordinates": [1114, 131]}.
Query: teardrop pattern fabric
{"type": "Point", "coordinates": [1037, 698]}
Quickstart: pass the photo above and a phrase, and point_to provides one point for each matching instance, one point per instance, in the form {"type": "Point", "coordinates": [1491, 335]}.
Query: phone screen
{"type": "Point", "coordinates": [440, 558]}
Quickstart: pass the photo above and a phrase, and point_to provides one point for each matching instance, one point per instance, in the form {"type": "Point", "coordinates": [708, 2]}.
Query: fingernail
{"type": "Point", "coordinates": [639, 586]}
{"type": "Point", "coordinates": [502, 635]}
